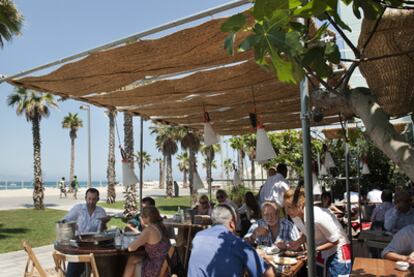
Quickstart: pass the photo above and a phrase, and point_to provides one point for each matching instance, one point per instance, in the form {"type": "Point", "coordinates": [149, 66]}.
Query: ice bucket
{"type": "Point", "coordinates": [65, 231]}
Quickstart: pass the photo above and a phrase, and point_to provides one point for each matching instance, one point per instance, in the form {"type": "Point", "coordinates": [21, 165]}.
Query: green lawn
{"type": "Point", "coordinates": [166, 205]}
{"type": "Point", "coordinates": [37, 227]}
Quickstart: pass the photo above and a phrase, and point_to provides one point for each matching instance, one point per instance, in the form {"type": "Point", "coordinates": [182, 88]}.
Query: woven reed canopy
{"type": "Point", "coordinates": [228, 87]}
{"type": "Point", "coordinates": [338, 133]}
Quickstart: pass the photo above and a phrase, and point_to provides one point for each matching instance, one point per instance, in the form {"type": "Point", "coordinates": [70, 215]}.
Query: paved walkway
{"type": "Point", "coordinates": [13, 263]}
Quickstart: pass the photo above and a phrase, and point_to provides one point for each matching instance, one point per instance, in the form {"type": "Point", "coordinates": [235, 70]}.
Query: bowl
{"type": "Point", "coordinates": [403, 266]}
{"type": "Point", "coordinates": [284, 260]}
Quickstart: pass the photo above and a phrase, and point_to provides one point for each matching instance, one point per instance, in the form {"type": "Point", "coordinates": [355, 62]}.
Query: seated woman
{"type": "Point", "coordinates": [249, 211]}
{"type": "Point", "coordinates": [203, 206]}
{"type": "Point", "coordinates": [156, 241]}
{"type": "Point", "coordinates": [271, 229]}
{"type": "Point", "coordinates": [332, 245]}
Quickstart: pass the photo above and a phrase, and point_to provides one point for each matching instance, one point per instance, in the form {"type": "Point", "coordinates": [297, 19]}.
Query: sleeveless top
{"type": "Point", "coordinates": [156, 254]}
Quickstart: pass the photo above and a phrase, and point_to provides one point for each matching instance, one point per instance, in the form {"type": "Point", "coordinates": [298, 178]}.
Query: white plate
{"type": "Point", "coordinates": [285, 260]}
{"type": "Point", "coordinates": [272, 250]}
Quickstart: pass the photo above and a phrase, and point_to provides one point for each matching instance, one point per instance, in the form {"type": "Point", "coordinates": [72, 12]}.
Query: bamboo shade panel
{"type": "Point", "coordinates": [390, 79]}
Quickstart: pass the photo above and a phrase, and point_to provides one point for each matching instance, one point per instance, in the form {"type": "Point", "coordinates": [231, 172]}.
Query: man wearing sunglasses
{"type": "Point", "coordinates": [218, 252]}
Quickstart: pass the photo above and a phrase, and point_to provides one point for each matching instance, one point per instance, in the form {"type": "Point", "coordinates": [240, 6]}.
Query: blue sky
{"type": "Point", "coordinates": [54, 29]}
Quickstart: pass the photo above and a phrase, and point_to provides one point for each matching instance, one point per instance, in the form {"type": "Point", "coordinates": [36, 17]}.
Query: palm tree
{"type": "Point", "coordinates": [166, 142]}
{"type": "Point", "coordinates": [34, 106]}
{"type": "Point", "coordinates": [129, 137]}
{"type": "Point", "coordinates": [11, 21]}
{"type": "Point", "coordinates": [184, 165]}
{"type": "Point", "coordinates": [249, 142]}
{"type": "Point", "coordinates": [73, 123]}
{"type": "Point", "coordinates": [146, 158]}
{"type": "Point", "coordinates": [160, 162]}
{"type": "Point", "coordinates": [228, 167]}
{"type": "Point", "coordinates": [191, 142]}
{"type": "Point", "coordinates": [209, 153]}
{"type": "Point", "coordinates": [110, 171]}
{"type": "Point", "coordinates": [237, 144]}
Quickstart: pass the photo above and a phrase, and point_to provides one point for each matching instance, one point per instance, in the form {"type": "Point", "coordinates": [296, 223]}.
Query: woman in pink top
{"type": "Point", "coordinates": [155, 239]}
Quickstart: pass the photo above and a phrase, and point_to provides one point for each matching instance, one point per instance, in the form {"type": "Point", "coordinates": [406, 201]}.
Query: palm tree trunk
{"type": "Point", "coordinates": [240, 163]}
{"type": "Point", "coordinates": [129, 137]}
{"type": "Point", "coordinates": [191, 170]}
{"type": "Point", "coordinates": [185, 184]}
{"type": "Point", "coordinates": [110, 172]}
{"type": "Point", "coordinates": [162, 167]}
{"type": "Point", "coordinates": [169, 177]}
{"type": "Point", "coordinates": [38, 190]}
{"type": "Point", "coordinates": [72, 157]}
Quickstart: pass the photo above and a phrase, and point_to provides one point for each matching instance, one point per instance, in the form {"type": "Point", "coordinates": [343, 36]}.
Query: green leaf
{"type": "Point", "coordinates": [294, 43]}
{"type": "Point", "coordinates": [314, 8]}
{"type": "Point", "coordinates": [299, 27]}
{"type": "Point", "coordinates": [284, 69]}
{"type": "Point", "coordinates": [332, 52]}
{"type": "Point", "coordinates": [249, 42]}
{"type": "Point", "coordinates": [321, 68]}
{"type": "Point", "coordinates": [294, 4]}
{"type": "Point", "coordinates": [311, 55]}
{"type": "Point", "coordinates": [234, 23]}
{"type": "Point", "coordinates": [321, 30]}
{"type": "Point", "coordinates": [265, 8]}
{"type": "Point", "coordinates": [340, 23]}
{"type": "Point", "coordinates": [229, 42]}
{"type": "Point", "coordinates": [279, 18]}
{"type": "Point", "coordinates": [371, 8]}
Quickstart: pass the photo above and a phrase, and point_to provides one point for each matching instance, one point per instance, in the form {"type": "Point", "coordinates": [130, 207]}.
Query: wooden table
{"type": "Point", "coordinates": [294, 269]}
{"type": "Point", "coordinates": [109, 260]}
{"type": "Point", "coordinates": [377, 267]}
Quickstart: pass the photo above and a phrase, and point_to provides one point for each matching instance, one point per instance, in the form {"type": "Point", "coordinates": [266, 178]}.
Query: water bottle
{"type": "Point", "coordinates": [182, 215]}
{"type": "Point", "coordinates": [118, 238]}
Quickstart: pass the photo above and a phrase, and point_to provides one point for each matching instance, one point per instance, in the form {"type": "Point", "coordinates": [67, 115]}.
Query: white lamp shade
{"type": "Point", "coordinates": [323, 171]}
{"type": "Point", "coordinates": [197, 182]}
{"type": "Point", "coordinates": [128, 175]}
{"type": "Point", "coordinates": [210, 136]}
{"type": "Point", "coordinates": [329, 162]}
{"type": "Point", "coordinates": [264, 148]}
{"type": "Point", "coordinates": [365, 169]}
{"type": "Point", "coordinates": [236, 179]}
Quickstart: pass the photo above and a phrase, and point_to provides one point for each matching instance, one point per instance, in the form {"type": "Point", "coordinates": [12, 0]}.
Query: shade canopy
{"type": "Point", "coordinates": [174, 79]}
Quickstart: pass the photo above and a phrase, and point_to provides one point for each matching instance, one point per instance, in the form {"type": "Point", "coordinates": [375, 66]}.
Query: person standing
{"type": "Point", "coordinates": [75, 186]}
{"type": "Point", "coordinates": [62, 187]}
{"type": "Point", "coordinates": [276, 187]}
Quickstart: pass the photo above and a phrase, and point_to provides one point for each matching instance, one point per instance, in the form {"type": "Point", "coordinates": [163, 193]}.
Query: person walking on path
{"type": "Point", "coordinates": [75, 186]}
{"type": "Point", "coordinates": [62, 187]}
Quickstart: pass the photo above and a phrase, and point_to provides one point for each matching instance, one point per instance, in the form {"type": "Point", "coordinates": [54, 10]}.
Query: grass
{"type": "Point", "coordinates": [166, 205]}
{"type": "Point", "coordinates": [37, 227]}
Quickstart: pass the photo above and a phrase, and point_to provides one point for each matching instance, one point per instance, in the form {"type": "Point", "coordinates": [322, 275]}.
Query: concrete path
{"type": "Point", "coordinates": [12, 264]}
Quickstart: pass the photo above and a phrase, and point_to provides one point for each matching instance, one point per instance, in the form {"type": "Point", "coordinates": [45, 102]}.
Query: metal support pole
{"type": "Point", "coordinates": [348, 195]}
{"type": "Point", "coordinates": [309, 218]}
{"type": "Point", "coordinates": [141, 161]}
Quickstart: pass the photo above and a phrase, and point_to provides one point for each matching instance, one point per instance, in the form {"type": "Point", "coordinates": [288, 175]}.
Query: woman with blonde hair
{"type": "Point", "coordinates": [332, 245]}
{"type": "Point", "coordinates": [155, 239]}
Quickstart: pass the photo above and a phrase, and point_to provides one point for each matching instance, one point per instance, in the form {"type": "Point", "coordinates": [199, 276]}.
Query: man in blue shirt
{"type": "Point", "coordinates": [218, 252]}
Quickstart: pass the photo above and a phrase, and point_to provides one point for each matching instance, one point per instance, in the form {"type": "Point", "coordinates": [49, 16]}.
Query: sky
{"type": "Point", "coordinates": [54, 29]}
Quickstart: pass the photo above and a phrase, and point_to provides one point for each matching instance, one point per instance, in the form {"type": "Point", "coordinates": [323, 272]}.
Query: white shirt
{"type": "Point", "coordinates": [327, 229]}
{"type": "Point", "coordinates": [374, 196]}
{"type": "Point", "coordinates": [402, 242]}
{"type": "Point", "coordinates": [274, 189]}
{"type": "Point", "coordinates": [85, 222]}
{"type": "Point", "coordinates": [317, 188]}
{"type": "Point", "coordinates": [354, 199]}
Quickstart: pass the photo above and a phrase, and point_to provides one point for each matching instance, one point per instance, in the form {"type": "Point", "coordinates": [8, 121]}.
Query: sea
{"type": "Point", "coordinates": [48, 184]}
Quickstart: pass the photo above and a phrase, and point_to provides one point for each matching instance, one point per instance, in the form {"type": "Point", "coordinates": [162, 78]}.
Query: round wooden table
{"type": "Point", "coordinates": [109, 260]}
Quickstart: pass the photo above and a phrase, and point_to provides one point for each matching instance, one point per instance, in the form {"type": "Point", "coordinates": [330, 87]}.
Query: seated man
{"type": "Point", "coordinates": [89, 218]}
{"type": "Point", "coordinates": [134, 224]}
{"type": "Point", "coordinates": [271, 229]}
{"type": "Point", "coordinates": [401, 215]}
{"type": "Point", "coordinates": [377, 217]}
{"type": "Point", "coordinates": [218, 252]}
{"type": "Point", "coordinates": [401, 248]}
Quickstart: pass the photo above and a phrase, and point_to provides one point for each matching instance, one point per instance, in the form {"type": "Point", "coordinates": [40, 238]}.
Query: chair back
{"type": "Point", "coordinates": [61, 259]}
{"type": "Point", "coordinates": [375, 247]}
{"type": "Point", "coordinates": [165, 268]}
{"type": "Point", "coordinates": [33, 267]}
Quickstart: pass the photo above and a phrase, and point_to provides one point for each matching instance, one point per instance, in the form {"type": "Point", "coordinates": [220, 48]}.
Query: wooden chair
{"type": "Point", "coordinates": [165, 268]}
{"type": "Point", "coordinates": [33, 267]}
{"type": "Point", "coordinates": [61, 259]}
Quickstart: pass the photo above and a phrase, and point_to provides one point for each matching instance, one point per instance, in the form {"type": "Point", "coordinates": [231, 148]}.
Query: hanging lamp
{"type": "Point", "coordinates": [364, 166]}
{"type": "Point", "coordinates": [197, 182]}
{"type": "Point", "coordinates": [210, 137]}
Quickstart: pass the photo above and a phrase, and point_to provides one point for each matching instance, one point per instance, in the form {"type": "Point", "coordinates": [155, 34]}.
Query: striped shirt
{"type": "Point", "coordinates": [287, 232]}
